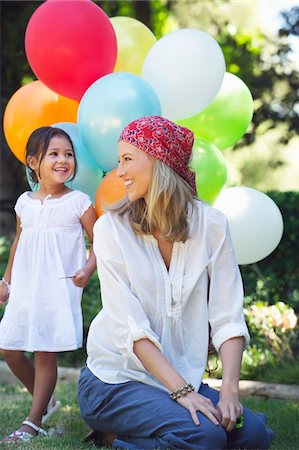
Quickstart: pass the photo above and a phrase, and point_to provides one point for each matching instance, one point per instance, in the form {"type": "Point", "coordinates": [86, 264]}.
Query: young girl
{"type": "Point", "coordinates": [46, 273]}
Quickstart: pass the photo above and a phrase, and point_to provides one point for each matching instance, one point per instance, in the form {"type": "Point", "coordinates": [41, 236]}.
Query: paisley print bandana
{"type": "Point", "coordinates": [164, 140]}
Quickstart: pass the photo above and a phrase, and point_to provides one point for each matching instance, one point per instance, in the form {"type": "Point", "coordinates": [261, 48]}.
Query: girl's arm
{"type": "Point", "coordinates": [155, 363]}
{"type": "Point", "coordinates": [230, 408]}
{"type": "Point", "coordinates": [4, 293]}
{"type": "Point", "coordinates": [82, 276]}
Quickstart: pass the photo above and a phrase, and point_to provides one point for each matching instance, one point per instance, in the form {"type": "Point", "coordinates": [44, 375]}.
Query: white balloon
{"type": "Point", "coordinates": [186, 69]}
{"type": "Point", "coordinates": [255, 222]}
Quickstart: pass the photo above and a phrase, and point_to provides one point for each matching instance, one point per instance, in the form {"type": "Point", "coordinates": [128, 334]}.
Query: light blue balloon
{"type": "Point", "coordinates": [88, 175]}
{"type": "Point", "coordinates": [107, 106]}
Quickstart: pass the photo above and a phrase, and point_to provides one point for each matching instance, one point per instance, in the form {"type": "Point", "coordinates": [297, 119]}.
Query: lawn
{"type": "Point", "coordinates": [283, 417]}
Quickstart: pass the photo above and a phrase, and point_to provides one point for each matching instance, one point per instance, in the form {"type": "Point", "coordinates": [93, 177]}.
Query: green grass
{"type": "Point", "coordinates": [283, 418]}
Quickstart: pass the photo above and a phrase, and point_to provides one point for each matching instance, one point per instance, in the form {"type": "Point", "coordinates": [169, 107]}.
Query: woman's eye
{"type": "Point", "coordinates": [53, 153]}
{"type": "Point", "coordinates": [70, 155]}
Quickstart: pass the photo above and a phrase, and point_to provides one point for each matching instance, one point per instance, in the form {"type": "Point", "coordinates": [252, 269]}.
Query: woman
{"type": "Point", "coordinates": [167, 270]}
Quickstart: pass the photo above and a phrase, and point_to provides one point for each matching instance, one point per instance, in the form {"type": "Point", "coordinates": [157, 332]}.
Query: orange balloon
{"type": "Point", "coordinates": [32, 106]}
{"type": "Point", "coordinates": [110, 190]}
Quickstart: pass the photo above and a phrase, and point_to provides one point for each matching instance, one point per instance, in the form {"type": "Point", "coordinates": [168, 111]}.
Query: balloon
{"type": "Point", "coordinates": [110, 190]}
{"type": "Point", "coordinates": [209, 166]}
{"type": "Point", "coordinates": [134, 40]}
{"type": "Point", "coordinates": [227, 118]}
{"type": "Point", "coordinates": [107, 107]}
{"type": "Point", "coordinates": [88, 174]}
{"type": "Point", "coordinates": [33, 106]}
{"type": "Point", "coordinates": [255, 222]}
{"type": "Point", "coordinates": [186, 68]}
{"type": "Point", "coordinates": [69, 45]}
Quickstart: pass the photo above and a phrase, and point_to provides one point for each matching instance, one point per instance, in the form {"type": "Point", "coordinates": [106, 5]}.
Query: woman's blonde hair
{"type": "Point", "coordinates": [166, 209]}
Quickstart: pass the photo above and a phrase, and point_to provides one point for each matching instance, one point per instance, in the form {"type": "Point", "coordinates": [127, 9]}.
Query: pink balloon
{"type": "Point", "coordinates": [69, 45]}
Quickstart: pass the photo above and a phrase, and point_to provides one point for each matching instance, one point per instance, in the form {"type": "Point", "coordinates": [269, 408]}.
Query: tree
{"type": "Point", "coordinates": [262, 62]}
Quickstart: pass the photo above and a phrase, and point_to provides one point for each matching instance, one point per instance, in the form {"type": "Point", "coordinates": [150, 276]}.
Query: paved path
{"type": "Point", "coordinates": [246, 388]}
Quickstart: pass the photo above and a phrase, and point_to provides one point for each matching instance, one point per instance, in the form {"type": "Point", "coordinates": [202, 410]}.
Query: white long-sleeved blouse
{"type": "Point", "coordinates": [172, 308]}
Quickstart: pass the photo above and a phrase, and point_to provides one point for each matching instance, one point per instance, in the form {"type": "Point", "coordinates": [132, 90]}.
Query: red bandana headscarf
{"type": "Point", "coordinates": [164, 140]}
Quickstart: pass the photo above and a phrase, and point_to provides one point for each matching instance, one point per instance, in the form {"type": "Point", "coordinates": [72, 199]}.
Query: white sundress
{"type": "Point", "coordinates": [44, 310]}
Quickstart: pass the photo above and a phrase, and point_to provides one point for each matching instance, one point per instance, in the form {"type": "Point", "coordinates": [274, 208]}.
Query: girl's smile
{"type": "Point", "coordinates": [58, 164]}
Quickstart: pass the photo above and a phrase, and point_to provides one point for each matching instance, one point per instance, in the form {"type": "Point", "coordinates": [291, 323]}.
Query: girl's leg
{"type": "Point", "coordinates": [21, 366]}
{"type": "Point", "coordinates": [44, 385]}
{"type": "Point", "coordinates": [144, 417]}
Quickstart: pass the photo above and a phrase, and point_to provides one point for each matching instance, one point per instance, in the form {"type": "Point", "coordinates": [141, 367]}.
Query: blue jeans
{"type": "Point", "coordinates": [144, 417]}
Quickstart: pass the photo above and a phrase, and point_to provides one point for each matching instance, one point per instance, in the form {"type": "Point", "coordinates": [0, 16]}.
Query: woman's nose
{"type": "Point", "coordinates": [119, 170]}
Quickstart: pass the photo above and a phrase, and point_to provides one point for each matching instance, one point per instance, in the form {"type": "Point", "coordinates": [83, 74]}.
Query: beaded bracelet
{"type": "Point", "coordinates": [174, 395]}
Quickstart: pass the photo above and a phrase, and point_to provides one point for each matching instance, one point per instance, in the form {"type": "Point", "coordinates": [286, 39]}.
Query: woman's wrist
{"type": "Point", "coordinates": [181, 392]}
{"type": "Point", "coordinates": [230, 388]}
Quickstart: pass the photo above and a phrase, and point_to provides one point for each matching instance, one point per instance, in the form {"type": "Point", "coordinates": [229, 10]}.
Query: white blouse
{"type": "Point", "coordinates": [142, 299]}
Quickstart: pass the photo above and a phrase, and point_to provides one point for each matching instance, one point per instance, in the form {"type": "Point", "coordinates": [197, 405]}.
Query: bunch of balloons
{"type": "Point", "coordinates": [95, 75]}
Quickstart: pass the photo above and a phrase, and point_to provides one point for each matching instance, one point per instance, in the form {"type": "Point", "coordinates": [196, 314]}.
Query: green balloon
{"type": "Point", "coordinates": [209, 165]}
{"type": "Point", "coordinates": [226, 119]}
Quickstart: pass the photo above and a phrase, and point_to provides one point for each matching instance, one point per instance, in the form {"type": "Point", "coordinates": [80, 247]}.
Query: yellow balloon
{"type": "Point", "coordinates": [134, 40]}
{"type": "Point", "coordinates": [32, 106]}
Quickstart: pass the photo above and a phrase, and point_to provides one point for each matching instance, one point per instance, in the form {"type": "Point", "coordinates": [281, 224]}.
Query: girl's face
{"type": "Point", "coordinates": [135, 168]}
{"type": "Point", "coordinates": [58, 164]}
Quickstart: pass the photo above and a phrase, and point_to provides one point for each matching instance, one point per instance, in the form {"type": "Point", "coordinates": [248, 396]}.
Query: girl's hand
{"type": "Point", "coordinates": [4, 293]}
{"type": "Point", "coordinates": [197, 402]}
{"type": "Point", "coordinates": [230, 409]}
{"type": "Point", "coordinates": [80, 279]}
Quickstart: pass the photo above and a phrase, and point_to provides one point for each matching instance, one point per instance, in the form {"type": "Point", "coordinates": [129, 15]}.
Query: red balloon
{"type": "Point", "coordinates": [69, 45]}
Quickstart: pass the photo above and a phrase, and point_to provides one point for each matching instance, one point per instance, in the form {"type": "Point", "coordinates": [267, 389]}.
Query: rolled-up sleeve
{"type": "Point", "coordinates": [226, 295]}
{"type": "Point", "coordinates": [126, 318]}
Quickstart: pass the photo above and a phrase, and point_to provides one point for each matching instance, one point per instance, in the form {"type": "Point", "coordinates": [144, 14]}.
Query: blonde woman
{"type": "Point", "coordinates": [167, 270]}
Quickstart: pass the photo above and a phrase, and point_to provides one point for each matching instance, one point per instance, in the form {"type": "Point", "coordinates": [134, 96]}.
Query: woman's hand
{"type": "Point", "coordinates": [230, 409]}
{"type": "Point", "coordinates": [197, 402]}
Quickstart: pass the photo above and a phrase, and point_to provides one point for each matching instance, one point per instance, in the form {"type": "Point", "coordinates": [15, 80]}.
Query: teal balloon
{"type": "Point", "coordinates": [209, 165]}
{"type": "Point", "coordinates": [107, 106]}
{"type": "Point", "coordinates": [88, 175]}
{"type": "Point", "coordinates": [226, 119]}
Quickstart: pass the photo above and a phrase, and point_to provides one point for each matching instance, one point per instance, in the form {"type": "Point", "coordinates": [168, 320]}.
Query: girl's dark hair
{"type": "Point", "coordinates": [38, 144]}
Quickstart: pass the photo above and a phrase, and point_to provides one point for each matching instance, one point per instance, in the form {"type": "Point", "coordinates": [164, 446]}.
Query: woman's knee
{"type": "Point", "coordinates": [260, 436]}
{"type": "Point", "coordinates": [201, 437]}
{"type": "Point", "coordinates": [254, 434]}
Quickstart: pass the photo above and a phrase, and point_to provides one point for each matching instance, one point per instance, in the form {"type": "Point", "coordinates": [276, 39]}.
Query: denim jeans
{"type": "Point", "coordinates": [144, 417]}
